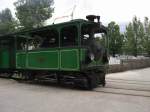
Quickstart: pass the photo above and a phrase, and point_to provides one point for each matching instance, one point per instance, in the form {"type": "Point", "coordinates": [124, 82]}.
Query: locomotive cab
{"type": "Point", "coordinates": [94, 43]}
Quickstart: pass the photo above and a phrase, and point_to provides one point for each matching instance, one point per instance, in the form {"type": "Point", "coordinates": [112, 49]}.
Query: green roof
{"type": "Point", "coordinates": [45, 27]}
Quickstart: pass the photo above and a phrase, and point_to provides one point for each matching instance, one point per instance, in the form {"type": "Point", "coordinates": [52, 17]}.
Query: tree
{"type": "Point", "coordinates": [134, 37]}
{"type": "Point", "coordinates": [7, 22]}
{"type": "Point", "coordinates": [146, 39]}
{"type": "Point", "coordinates": [33, 13]}
{"type": "Point", "coordinates": [129, 42]}
{"type": "Point", "coordinates": [141, 35]}
{"type": "Point", "coordinates": [115, 38]}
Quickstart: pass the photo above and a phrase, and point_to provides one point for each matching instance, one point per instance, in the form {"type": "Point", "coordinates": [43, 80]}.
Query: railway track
{"type": "Point", "coordinates": [126, 87]}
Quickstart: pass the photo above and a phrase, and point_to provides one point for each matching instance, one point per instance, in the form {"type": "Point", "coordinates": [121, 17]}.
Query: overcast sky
{"type": "Point", "coordinates": [120, 11]}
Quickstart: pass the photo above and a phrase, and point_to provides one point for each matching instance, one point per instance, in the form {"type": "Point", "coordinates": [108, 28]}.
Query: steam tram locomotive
{"type": "Point", "coordinates": [66, 52]}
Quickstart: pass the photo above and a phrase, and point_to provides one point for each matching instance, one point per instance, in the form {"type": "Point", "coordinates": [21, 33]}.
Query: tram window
{"type": "Point", "coordinates": [21, 43]}
{"type": "Point", "coordinates": [4, 43]}
{"type": "Point", "coordinates": [34, 42]}
{"type": "Point", "coordinates": [69, 36]}
{"type": "Point", "coordinates": [85, 37]}
{"type": "Point", "coordinates": [46, 38]}
{"type": "Point", "coordinates": [85, 34]}
{"type": "Point", "coordinates": [50, 39]}
{"type": "Point", "coordinates": [100, 37]}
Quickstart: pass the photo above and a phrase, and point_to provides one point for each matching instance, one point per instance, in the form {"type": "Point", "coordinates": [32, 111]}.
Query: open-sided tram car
{"type": "Point", "coordinates": [66, 52]}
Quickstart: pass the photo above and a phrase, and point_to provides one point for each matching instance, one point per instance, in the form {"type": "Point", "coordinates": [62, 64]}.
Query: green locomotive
{"type": "Point", "coordinates": [65, 52]}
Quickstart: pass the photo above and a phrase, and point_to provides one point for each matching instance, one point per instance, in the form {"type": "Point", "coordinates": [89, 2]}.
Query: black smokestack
{"type": "Point", "coordinates": [92, 18]}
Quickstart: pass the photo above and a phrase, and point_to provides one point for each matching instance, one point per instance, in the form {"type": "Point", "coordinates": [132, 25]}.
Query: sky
{"type": "Point", "coordinates": [120, 11]}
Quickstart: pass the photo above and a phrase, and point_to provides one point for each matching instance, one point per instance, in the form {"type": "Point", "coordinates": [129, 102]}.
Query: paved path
{"type": "Point", "coordinates": [24, 97]}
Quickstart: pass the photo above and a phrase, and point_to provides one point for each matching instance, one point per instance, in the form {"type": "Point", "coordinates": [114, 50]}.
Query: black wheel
{"type": "Point", "coordinates": [81, 82]}
{"type": "Point", "coordinates": [86, 82]}
{"type": "Point", "coordinates": [59, 77]}
{"type": "Point", "coordinates": [30, 76]}
{"type": "Point", "coordinates": [102, 79]}
{"type": "Point", "coordinates": [24, 76]}
{"type": "Point", "coordinates": [93, 81]}
{"type": "Point", "coordinates": [10, 75]}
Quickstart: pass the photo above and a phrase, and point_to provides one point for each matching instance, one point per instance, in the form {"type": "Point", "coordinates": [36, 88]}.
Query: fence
{"type": "Point", "coordinates": [129, 64]}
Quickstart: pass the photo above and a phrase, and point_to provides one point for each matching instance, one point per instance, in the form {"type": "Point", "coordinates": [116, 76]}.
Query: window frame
{"type": "Point", "coordinates": [76, 39]}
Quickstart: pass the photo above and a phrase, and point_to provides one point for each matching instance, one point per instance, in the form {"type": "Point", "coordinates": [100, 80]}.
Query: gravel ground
{"type": "Point", "coordinates": [26, 97]}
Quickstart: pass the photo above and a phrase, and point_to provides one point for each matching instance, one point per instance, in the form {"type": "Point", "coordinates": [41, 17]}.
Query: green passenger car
{"type": "Point", "coordinates": [74, 51]}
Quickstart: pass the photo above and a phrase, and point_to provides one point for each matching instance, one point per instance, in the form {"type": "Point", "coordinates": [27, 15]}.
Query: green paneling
{"type": "Point", "coordinates": [51, 59]}
{"type": "Point", "coordinates": [43, 59]}
{"type": "Point", "coordinates": [4, 59]}
{"type": "Point", "coordinates": [69, 59]}
{"type": "Point", "coordinates": [21, 60]}
{"type": "Point", "coordinates": [83, 54]}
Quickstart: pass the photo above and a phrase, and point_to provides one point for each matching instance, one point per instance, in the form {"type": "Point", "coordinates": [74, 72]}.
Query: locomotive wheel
{"type": "Point", "coordinates": [93, 81]}
{"type": "Point", "coordinates": [10, 75]}
{"type": "Point", "coordinates": [29, 76]}
{"type": "Point", "coordinates": [59, 78]}
{"type": "Point", "coordinates": [18, 77]}
{"type": "Point", "coordinates": [24, 76]}
{"type": "Point", "coordinates": [102, 79]}
{"type": "Point", "coordinates": [6, 75]}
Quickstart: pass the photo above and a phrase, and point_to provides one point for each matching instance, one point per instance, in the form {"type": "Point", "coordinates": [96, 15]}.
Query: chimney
{"type": "Point", "coordinates": [92, 18]}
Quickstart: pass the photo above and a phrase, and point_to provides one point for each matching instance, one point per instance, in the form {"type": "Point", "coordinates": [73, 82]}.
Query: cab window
{"type": "Point", "coordinates": [69, 36]}
{"type": "Point", "coordinates": [90, 32]}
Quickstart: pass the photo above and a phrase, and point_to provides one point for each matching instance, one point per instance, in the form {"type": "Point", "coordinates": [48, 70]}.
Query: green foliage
{"type": "Point", "coordinates": [129, 41]}
{"type": "Point", "coordinates": [146, 39]}
{"type": "Point", "coordinates": [135, 37]}
{"type": "Point", "coordinates": [33, 13]}
{"type": "Point", "coordinates": [7, 22]}
{"type": "Point", "coordinates": [115, 38]}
